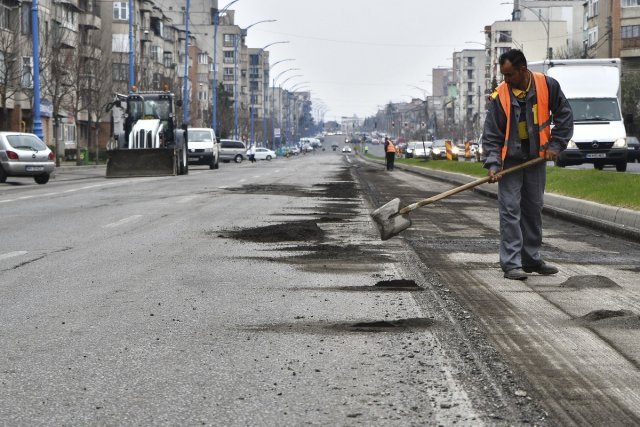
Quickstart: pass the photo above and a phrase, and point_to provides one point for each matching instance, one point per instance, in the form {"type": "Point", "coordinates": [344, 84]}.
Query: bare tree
{"type": "Point", "coordinates": [575, 50]}
{"type": "Point", "coordinates": [10, 65]}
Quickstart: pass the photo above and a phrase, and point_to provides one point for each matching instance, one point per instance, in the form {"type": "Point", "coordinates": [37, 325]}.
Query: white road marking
{"type": "Point", "coordinates": [223, 187]}
{"type": "Point", "coordinates": [256, 176]}
{"type": "Point", "coordinates": [242, 180]}
{"type": "Point", "coordinates": [12, 254]}
{"type": "Point", "coordinates": [348, 159]}
{"type": "Point", "coordinates": [277, 171]}
{"type": "Point", "coordinates": [123, 221]}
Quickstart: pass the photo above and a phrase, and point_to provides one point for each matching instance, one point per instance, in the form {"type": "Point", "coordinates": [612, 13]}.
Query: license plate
{"type": "Point", "coordinates": [596, 155]}
{"type": "Point", "coordinates": [194, 158]}
{"type": "Point", "coordinates": [35, 168]}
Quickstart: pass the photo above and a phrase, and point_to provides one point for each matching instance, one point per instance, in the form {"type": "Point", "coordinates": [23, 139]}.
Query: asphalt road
{"type": "Point", "coordinates": [259, 295]}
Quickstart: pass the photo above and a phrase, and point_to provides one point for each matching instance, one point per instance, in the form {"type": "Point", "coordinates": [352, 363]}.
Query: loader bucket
{"type": "Point", "coordinates": [123, 163]}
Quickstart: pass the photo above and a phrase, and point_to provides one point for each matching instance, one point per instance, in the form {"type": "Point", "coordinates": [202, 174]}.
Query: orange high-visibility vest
{"type": "Point", "coordinates": [544, 118]}
{"type": "Point", "coordinates": [390, 147]}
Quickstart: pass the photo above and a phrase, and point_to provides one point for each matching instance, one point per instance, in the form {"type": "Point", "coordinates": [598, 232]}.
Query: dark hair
{"type": "Point", "coordinates": [515, 56]}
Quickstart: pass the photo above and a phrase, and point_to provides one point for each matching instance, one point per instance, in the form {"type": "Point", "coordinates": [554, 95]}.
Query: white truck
{"type": "Point", "coordinates": [592, 87]}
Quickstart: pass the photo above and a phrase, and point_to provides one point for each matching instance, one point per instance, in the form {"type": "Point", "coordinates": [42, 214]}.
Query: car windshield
{"type": "Point", "coordinates": [26, 142]}
{"type": "Point", "coordinates": [199, 135]}
{"type": "Point", "coordinates": [595, 109]}
{"type": "Point", "coordinates": [439, 144]}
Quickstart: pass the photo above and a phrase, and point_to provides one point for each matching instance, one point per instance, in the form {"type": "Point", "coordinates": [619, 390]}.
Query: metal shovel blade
{"type": "Point", "coordinates": [389, 221]}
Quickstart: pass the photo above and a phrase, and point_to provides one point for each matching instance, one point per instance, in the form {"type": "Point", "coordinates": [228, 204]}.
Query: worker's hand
{"type": "Point", "coordinates": [551, 155]}
{"type": "Point", "coordinates": [493, 176]}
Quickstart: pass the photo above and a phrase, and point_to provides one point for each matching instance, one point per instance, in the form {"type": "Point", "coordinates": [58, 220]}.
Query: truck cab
{"type": "Point", "coordinates": [592, 87]}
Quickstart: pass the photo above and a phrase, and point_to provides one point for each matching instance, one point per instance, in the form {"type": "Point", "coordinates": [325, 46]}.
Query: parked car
{"type": "Point", "coordinates": [24, 154]}
{"type": "Point", "coordinates": [264, 154]}
{"type": "Point", "coordinates": [232, 150]}
{"type": "Point", "coordinates": [346, 149]}
{"type": "Point", "coordinates": [294, 150]}
{"type": "Point", "coordinates": [633, 149]}
{"type": "Point", "coordinates": [307, 148]}
{"type": "Point", "coordinates": [422, 150]}
{"type": "Point", "coordinates": [203, 147]}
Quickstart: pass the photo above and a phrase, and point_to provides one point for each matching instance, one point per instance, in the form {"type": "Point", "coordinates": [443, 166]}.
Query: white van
{"type": "Point", "coordinates": [203, 147]}
{"type": "Point", "coordinates": [592, 87]}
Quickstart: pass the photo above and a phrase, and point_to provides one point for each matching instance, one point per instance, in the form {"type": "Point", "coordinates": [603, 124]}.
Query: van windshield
{"type": "Point", "coordinates": [199, 135]}
{"type": "Point", "coordinates": [595, 109]}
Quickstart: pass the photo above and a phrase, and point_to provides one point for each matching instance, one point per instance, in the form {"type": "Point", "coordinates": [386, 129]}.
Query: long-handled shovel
{"type": "Point", "coordinates": [391, 220]}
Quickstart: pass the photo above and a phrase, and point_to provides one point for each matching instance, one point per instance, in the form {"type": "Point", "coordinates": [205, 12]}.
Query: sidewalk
{"type": "Point", "coordinates": [611, 219]}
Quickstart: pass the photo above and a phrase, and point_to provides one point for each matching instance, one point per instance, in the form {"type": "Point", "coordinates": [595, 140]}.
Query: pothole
{"type": "Point", "coordinates": [597, 315]}
{"type": "Point", "coordinates": [287, 232]}
{"type": "Point", "coordinates": [397, 284]}
{"type": "Point", "coordinates": [375, 326]}
{"type": "Point", "coordinates": [614, 319]}
{"type": "Point", "coordinates": [390, 325]}
{"type": "Point", "coordinates": [589, 282]}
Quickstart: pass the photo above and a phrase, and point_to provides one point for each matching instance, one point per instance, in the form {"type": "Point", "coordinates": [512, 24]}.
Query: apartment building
{"type": "Point", "coordinates": [471, 83]}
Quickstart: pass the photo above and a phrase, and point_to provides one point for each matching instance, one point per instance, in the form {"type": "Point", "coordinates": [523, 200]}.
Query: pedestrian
{"type": "Point", "coordinates": [366, 149]}
{"type": "Point", "coordinates": [390, 152]}
{"type": "Point", "coordinates": [252, 153]}
{"type": "Point", "coordinates": [517, 128]}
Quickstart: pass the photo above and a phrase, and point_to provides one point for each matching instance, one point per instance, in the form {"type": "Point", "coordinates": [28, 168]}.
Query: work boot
{"type": "Point", "coordinates": [544, 269]}
{"type": "Point", "coordinates": [515, 274]}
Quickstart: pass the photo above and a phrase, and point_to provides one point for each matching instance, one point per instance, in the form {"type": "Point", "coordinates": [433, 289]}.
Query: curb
{"type": "Point", "coordinates": [619, 221]}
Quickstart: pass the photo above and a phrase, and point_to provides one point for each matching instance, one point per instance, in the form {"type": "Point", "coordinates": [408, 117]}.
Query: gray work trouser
{"type": "Point", "coordinates": [520, 196]}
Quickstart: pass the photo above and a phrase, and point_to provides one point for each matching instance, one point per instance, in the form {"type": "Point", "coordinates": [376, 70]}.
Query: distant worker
{"type": "Point", "coordinates": [517, 129]}
{"type": "Point", "coordinates": [252, 153]}
{"type": "Point", "coordinates": [390, 152]}
{"type": "Point", "coordinates": [366, 149]}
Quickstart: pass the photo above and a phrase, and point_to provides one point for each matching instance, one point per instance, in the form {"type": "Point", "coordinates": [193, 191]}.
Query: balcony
{"type": "Point", "coordinates": [90, 20]}
{"type": "Point", "coordinates": [66, 38]}
{"type": "Point", "coordinates": [92, 52]}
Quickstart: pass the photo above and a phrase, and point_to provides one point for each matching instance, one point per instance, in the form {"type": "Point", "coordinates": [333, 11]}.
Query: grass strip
{"type": "Point", "coordinates": [606, 187]}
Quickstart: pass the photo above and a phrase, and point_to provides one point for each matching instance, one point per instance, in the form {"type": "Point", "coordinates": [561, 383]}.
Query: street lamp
{"type": "Point", "coordinates": [273, 97]}
{"type": "Point", "coordinates": [37, 123]}
{"type": "Point", "coordinates": [251, 96]}
{"type": "Point", "coordinates": [538, 15]}
{"type": "Point", "coordinates": [214, 101]}
{"type": "Point", "coordinates": [243, 32]}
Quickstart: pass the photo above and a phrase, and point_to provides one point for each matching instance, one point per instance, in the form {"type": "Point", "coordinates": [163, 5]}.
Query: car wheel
{"type": "Point", "coordinates": [238, 159]}
{"type": "Point", "coordinates": [41, 179]}
{"type": "Point", "coordinates": [598, 166]}
{"type": "Point", "coordinates": [621, 167]}
{"type": "Point", "coordinates": [3, 175]}
{"type": "Point", "coordinates": [269, 158]}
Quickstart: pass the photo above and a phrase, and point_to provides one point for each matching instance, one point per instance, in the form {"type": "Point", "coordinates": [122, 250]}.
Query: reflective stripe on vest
{"type": "Point", "coordinates": [390, 147]}
{"type": "Point", "coordinates": [544, 118]}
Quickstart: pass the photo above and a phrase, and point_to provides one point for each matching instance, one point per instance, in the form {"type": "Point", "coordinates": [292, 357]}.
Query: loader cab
{"type": "Point", "coordinates": [151, 106]}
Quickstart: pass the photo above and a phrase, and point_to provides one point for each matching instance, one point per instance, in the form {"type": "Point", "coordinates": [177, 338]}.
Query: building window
{"type": "Point", "coordinates": [166, 59]}
{"type": "Point", "coordinates": [229, 56]}
{"type": "Point", "coordinates": [203, 58]}
{"type": "Point", "coordinates": [228, 39]}
{"type": "Point", "coordinates": [470, 74]}
{"type": "Point", "coordinates": [120, 11]}
{"type": "Point", "coordinates": [469, 87]}
{"type": "Point", "coordinates": [228, 73]}
{"type": "Point", "coordinates": [630, 31]}
{"type": "Point", "coordinates": [203, 78]}
{"type": "Point", "coordinates": [254, 59]}
{"type": "Point", "coordinates": [592, 8]}
{"type": "Point", "coordinates": [119, 43]}
{"type": "Point", "coordinates": [25, 18]}
{"type": "Point", "coordinates": [119, 72]}
{"type": "Point", "coordinates": [229, 89]}
{"type": "Point", "coordinates": [630, 3]}
{"type": "Point", "coordinates": [5, 15]}
{"type": "Point", "coordinates": [254, 86]}
{"type": "Point", "coordinates": [470, 61]}
{"type": "Point", "coordinates": [592, 39]}
{"type": "Point", "coordinates": [27, 73]}
{"type": "Point", "coordinates": [503, 37]}
{"type": "Point", "coordinates": [254, 73]}
{"type": "Point", "coordinates": [156, 53]}
{"type": "Point", "coordinates": [3, 69]}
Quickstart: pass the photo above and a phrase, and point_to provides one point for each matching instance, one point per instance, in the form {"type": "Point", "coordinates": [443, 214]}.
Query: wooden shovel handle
{"type": "Point", "coordinates": [467, 186]}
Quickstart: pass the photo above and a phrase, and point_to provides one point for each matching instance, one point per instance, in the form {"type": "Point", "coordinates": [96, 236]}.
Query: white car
{"type": "Point", "coordinates": [264, 154]}
{"type": "Point", "coordinates": [346, 149]}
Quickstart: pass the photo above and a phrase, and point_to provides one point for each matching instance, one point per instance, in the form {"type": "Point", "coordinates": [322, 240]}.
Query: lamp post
{"type": "Point", "coordinates": [243, 32]}
{"type": "Point", "coordinates": [273, 100]}
{"type": "Point", "coordinates": [37, 123]}
{"type": "Point", "coordinates": [266, 90]}
{"type": "Point", "coordinates": [251, 96]}
{"type": "Point", "coordinates": [287, 98]}
{"type": "Point", "coordinates": [538, 15]}
{"type": "Point", "coordinates": [214, 101]}
{"type": "Point", "coordinates": [185, 93]}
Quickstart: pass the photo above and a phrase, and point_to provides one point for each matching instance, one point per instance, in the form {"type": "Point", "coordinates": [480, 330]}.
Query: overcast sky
{"type": "Point", "coordinates": [360, 54]}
